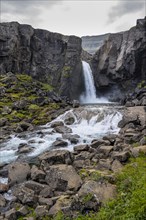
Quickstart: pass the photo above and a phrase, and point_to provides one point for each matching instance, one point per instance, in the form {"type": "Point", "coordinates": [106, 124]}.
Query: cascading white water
{"type": "Point", "coordinates": [89, 95]}
{"type": "Point", "coordinates": [90, 122]}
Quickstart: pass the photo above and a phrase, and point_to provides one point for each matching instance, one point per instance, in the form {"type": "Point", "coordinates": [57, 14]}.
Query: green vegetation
{"type": "Point", "coordinates": [130, 203]}
{"type": "Point", "coordinates": [142, 84]}
{"type": "Point", "coordinates": [21, 100]}
{"type": "Point", "coordinates": [66, 71]}
{"type": "Point", "coordinates": [90, 174]}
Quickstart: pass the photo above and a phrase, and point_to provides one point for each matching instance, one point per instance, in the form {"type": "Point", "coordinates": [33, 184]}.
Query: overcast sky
{"type": "Point", "coordinates": [75, 17]}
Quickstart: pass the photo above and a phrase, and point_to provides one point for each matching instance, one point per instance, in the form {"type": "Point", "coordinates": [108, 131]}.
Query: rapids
{"type": "Point", "coordinates": [89, 122]}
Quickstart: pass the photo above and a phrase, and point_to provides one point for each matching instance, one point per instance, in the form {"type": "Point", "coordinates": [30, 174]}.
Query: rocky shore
{"type": "Point", "coordinates": [74, 183]}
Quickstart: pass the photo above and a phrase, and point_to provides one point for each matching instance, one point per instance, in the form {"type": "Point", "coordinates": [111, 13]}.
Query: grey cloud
{"type": "Point", "coordinates": [29, 10]}
{"type": "Point", "coordinates": [125, 7]}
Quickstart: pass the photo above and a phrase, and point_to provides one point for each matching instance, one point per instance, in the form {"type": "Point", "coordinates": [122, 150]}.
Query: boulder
{"type": "Point", "coordinates": [3, 187]}
{"type": "Point", "coordinates": [62, 178]}
{"type": "Point", "coordinates": [79, 148]}
{"type": "Point", "coordinates": [105, 150]}
{"type": "Point", "coordinates": [74, 138]}
{"type": "Point", "coordinates": [102, 191]}
{"type": "Point", "coordinates": [56, 124]}
{"type": "Point", "coordinates": [18, 172]}
{"type": "Point", "coordinates": [57, 157]}
{"type": "Point", "coordinates": [37, 174]}
{"type": "Point", "coordinates": [116, 166]}
{"type": "Point", "coordinates": [137, 150]}
{"type": "Point", "coordinates": [11, 214]}
{"type": "Point", "coordinates": [62, 129]}
{"type": "Point", "coordinates": [59, 143]}
{"type": "Point", "coordinates": [2, 201]}
{"type": "Point", "coordinates": [62, 204]}
{"type": "Point", "coordinates": [121, 156]}
{"type": "Point", "coordinates": [25, 195]}
{"type": "Point", "coordinates": [76, 104]}
{"type": "Point", "coordinates": [3, 122]}
{"type": "Point", "coordinates": [35, 186]}
{"type": "Point", "coordinates": [41, 211]}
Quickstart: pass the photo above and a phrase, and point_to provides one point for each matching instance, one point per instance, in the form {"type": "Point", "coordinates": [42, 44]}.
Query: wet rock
{"type": "Point", "coordinates": [79, 164]}
{"type": "Point", "coordinates": [18, 172]}
{"type": "Point", "coordinates": [74, 139]}
{"type": "Point", "coordinates": [24, 149]}
{"type": "Point", "coordinates": [63, 177]}
{"type": "Point", "coordinates": [97, 143]}
{"type": "Point", "coordinates": [79, 148]}
{"type": "Point", "coordinates": [63, 129]}
{"type": "Point", "coordinates": [57, 157]}
{"type": "Point", "coordinates": [69, 119]}
{"type": "Point", "coordinates": [59, 143]}
{"type": "Point", "coordinates": [121, 156]}
{"type": "Point", "coordinates": [3, 187]}
{"type": "Point", "coordinates": [2, 201]}
{"type": "Point", "coordinates": [56, 124]}
{"type": "Point", "coordinates": [37, 174]}
{"type": "Point", "coordinates": [76, 104]}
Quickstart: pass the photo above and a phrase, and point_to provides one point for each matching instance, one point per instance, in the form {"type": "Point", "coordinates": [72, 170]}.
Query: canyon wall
{"type": "Point", "coordinates": [46, 56]}
{"type": "Point", "coordinates": [121, 61]}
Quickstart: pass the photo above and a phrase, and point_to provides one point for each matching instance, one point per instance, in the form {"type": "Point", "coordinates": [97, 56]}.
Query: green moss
{"type": "Point", "coordinates": [66, 71]}
{"type": "Point", "coordinates": [142, 84]}
{"type": "Point", "coordinates": [33, 107]}
{"type": "Point", "coordinates": [83, 173]}
{"type": "Point", "coordinates": [88, 197]}
{"type": "Point", "coordinates": [47, 87]}
{"type": "Point", "coordinates": [24, 77]}
{"type": "Point", "coordinates": [95, 175]}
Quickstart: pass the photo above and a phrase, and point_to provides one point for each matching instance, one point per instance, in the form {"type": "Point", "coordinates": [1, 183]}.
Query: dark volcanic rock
{"type": "Point", "coordinates": [121, 59]}
{"type": "Point", "coordinates": [48, 57]}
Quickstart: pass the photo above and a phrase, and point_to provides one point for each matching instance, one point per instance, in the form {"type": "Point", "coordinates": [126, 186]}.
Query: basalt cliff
{"type": "Point", "coordinates": [121, 60]}
{"type": "Point", "coordinates": [48, 57]}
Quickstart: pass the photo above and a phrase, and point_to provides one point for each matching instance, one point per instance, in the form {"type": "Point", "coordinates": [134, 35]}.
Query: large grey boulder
{"type": "Point", "coordinates": [57, 157]}
{"type": "Point", "coordinates": [18, 172]}
{"type": "Point", "coordinates": [62, 178]}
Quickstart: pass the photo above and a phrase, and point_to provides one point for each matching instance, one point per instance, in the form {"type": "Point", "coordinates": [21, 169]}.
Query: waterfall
{"type": "Point", "coordinates": [89, 95]}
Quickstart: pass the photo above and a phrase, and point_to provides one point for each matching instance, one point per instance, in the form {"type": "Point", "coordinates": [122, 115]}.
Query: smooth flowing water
{"type": "Point", "coordinates": [89, 96]}
{"type": "Point", "coordinates": [89, 122]}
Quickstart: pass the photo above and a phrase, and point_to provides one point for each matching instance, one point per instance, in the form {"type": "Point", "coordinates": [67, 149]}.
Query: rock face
{"type": "Point", "coordinates": [121, 59]}
{"type": "Point", "coordinates": [48, 57]}
{"type": "Point", "coordinates": [92, 43]}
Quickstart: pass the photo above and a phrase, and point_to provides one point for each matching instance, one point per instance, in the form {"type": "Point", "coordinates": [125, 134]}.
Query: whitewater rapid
{"type": "Point", "coordinates": [89, 122]}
